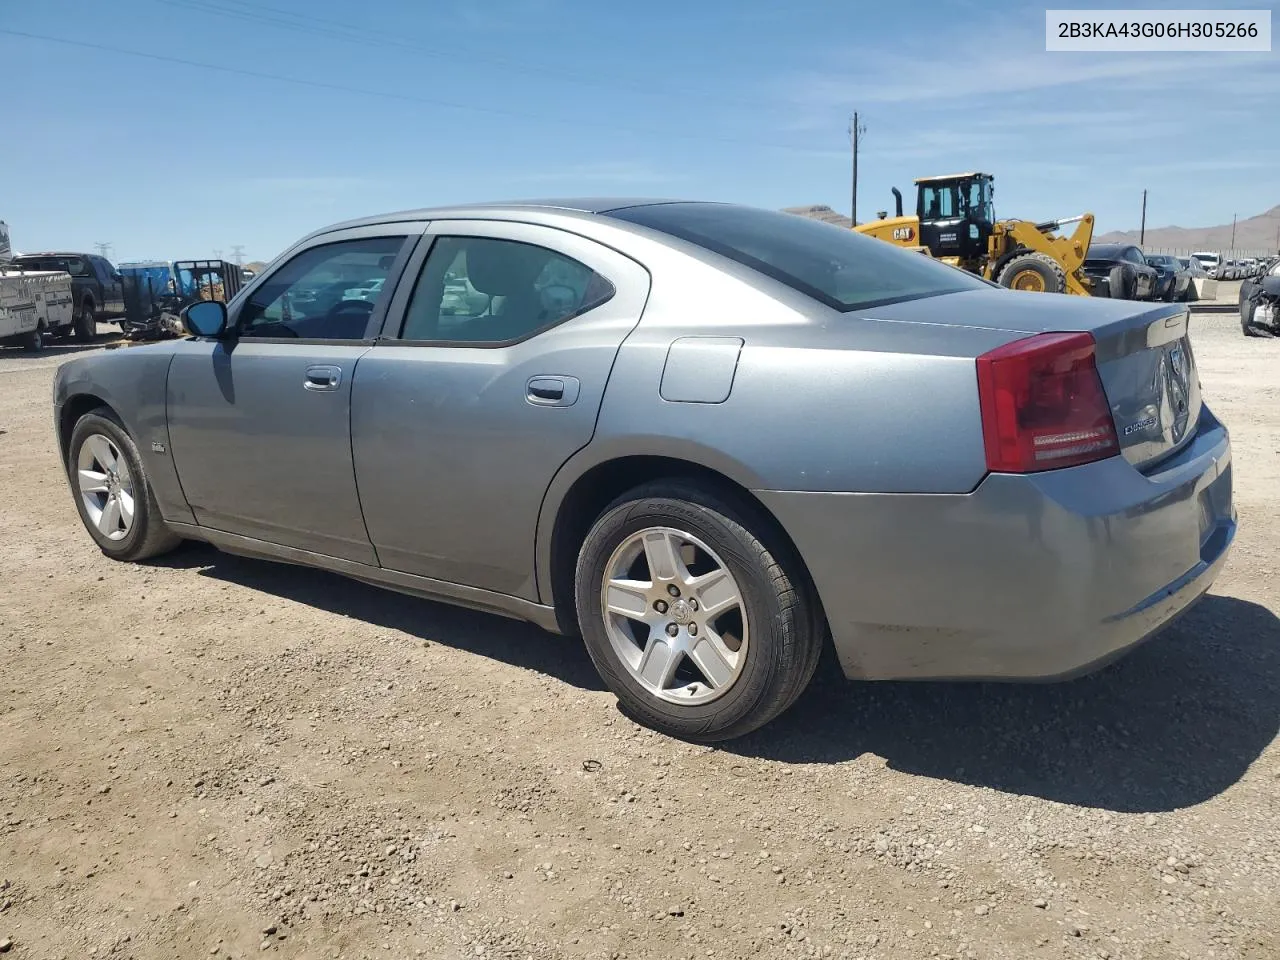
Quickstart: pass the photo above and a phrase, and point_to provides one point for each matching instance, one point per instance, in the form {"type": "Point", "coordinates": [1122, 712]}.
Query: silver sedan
{"type": "Point", "coordinates": [710, 439]}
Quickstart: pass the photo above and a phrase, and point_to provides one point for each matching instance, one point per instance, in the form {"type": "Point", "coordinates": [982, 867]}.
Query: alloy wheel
{"type": "Point", "coordinates": [106, 486]}
{"type": "Point", "coordinates": [675, 615]}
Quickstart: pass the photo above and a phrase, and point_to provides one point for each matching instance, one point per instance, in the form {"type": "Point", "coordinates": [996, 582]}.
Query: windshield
{"type": "Point", "coordinates": [833, 265]}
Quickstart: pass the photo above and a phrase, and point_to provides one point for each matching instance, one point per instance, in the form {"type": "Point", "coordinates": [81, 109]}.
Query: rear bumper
{"type": "Point", "coordinates": [1038, 577]}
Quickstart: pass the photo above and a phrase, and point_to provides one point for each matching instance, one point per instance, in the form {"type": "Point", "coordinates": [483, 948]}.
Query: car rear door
{"type": "Point", "coordinates": [496, 351]}
{"type": "Point", "coordinates": [260, 421]}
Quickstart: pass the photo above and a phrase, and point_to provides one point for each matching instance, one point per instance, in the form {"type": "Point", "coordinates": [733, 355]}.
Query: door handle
{"type": "Point", "coordinates": [552, 391]}
{"type": "Point", "coordinates": [322, 376]}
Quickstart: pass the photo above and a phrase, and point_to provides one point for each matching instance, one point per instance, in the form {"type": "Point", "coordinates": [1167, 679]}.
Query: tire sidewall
{"type": "Point", "coordinates": [98, 423]}
{"type": "Point", "coordinates": [86, 327]}
{"type": "Point", "coordinates": [762, 610]}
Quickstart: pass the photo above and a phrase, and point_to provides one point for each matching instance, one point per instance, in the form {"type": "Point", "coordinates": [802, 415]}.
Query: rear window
{"type": "Point", "coordinates": [72, 265]}
{"type": "Point", "coordinates": [834, 265]}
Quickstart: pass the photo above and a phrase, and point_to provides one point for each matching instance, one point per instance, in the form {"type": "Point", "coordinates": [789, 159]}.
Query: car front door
{"type": "Point", "coordinates": [112, 287]}
{"type": "Point", "coordinates": [494, 360]}
{"type": "Point", "coordinates": [259, 420]}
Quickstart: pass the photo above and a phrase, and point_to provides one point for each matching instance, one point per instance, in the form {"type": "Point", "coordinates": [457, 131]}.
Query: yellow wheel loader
{"type": "Point", "coordinates": [955, 222]}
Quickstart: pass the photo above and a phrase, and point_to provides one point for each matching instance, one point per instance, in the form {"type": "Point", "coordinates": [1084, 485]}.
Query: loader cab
{"type": "Point", "coordinates": [956, 215]}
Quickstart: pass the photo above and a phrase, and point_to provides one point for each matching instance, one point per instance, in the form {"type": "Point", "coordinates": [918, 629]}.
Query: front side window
{"type": "Point", "coordinates": [485, 290]}
{"type": "Point", "coordinates": [324, 293]}
{"type": "Point", "coordinates": [834, 265]}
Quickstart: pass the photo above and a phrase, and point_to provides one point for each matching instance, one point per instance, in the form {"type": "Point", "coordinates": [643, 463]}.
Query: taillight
{"type": "Point", "coordinates": [1043, 405]}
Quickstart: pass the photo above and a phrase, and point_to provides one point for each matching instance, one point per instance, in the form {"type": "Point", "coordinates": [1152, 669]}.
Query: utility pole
{"type": "Point", "coordinates": [1142, 233]}
{"type": "Point", "coordinates": [217, 254]}
{"type": "Point", "coordinates": [1233, 231]}
{"type": "Point", "coordinates": [237, 251]}
{"type": "Point", "coordinates": [103, 248]}
{"type": "Point", "coordinates": [856, 130]}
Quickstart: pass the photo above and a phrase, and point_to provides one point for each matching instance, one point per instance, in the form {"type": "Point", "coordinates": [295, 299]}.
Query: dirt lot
{"type": "Point", "coordinates": [217, 757]}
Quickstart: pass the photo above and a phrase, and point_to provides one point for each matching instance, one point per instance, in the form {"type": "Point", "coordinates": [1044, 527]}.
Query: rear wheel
{"type": "Point", "coordinates": [1035, 272]}
{"type": "Point", "coordinates": [1121, 282]}
{"type": "Point", "coordinates": [112, 491]}
{"type": "Point", "coordinates": [85, 325]}
{"type": "Point", "coordinates": [699, 622]}
{"type": "Point", "coordinates": [34, 341]}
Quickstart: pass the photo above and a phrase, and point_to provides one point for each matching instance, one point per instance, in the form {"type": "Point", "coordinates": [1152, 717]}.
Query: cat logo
{"type": "Point", "coordinates": [904, 233]}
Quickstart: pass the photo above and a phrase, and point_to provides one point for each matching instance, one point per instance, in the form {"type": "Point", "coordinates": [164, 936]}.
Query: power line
{"type": "Point", "coordinates": [237, 251]}
{"type": "Point", "coordinates": [264, 14]}
{"type": "Point", "coordinates": [102, 249]}
{"type": "Point", "coordinates": [578, 122]}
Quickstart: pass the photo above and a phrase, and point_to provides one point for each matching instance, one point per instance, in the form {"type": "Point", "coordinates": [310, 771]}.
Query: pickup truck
{"type": "Point", "coordinates": [96, 288]}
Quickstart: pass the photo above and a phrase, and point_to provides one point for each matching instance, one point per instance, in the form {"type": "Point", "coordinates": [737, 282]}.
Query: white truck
{"type": "Point", "coordinates": [33, 304]}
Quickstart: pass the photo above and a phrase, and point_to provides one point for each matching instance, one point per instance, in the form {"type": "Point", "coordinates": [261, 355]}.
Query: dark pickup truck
{"type": "Point", "coordinates": [96, 288]}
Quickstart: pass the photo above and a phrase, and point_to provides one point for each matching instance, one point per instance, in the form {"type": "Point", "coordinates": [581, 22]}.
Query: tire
{"type": "Point", "coordinates": [34, 340]}
{"type": "Point", "coordinates": [146, 536]}
{"type": "Point", "coordinates": [1120, 282]}
{"type": "Point", "coordinates": [1036, 272]}
{"type": "Point", "coordinates": [1246, 319]}
{"type": "Point", "coordinates": [86, 326]}
{"type": "Point", "coordinates": [777, 615]}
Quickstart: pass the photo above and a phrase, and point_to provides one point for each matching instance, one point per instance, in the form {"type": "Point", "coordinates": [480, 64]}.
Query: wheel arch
{"type": "Point", "coordinates": [73, 408]}
{"type": "Point", "coordinates": [578, 496]}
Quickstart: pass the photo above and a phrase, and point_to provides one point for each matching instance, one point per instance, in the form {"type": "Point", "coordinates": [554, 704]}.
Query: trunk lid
{"type": "Point", "coordinates": [1144, 355]}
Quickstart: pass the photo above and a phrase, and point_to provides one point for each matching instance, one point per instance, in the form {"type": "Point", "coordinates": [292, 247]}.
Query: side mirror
{"type": "Point", "coordinates": [205, 318]}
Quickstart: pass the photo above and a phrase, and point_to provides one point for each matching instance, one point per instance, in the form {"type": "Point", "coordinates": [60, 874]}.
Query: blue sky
{"type": "Point", "coordinates": [409, 103]}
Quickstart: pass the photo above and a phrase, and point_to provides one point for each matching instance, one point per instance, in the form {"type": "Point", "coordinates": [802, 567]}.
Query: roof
{"type": "Point", "coordinates": [498, 209]}
{"type": "Point", "coordinates": [950, 176]}
{"type": "Point", "coordinates": [51, 253]}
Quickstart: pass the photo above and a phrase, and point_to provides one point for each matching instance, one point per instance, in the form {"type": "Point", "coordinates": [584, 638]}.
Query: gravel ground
{"type": "Point", "coordinates": [213, 756]}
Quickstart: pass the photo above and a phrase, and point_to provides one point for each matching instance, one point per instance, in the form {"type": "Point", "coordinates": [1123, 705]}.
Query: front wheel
{"type": "Point", "coordinates": [112, 492]}
{"type": "Point", "coordinates": [34, 341]}
{"type": "Point", "coordinates": [1034, 272]}
{"type": "Point", "coordinates": [698, 619]}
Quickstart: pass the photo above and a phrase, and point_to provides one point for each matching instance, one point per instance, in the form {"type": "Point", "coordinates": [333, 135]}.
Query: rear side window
{"type": "Point", "coordinates": [482, 290]}
{"type": "Point", "coordinates": [833, 265]}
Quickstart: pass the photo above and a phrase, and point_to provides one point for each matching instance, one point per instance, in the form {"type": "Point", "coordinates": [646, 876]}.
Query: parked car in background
{"type": "Point", "coordinates": [96, 286]}
{"type": "Point", "coordinates": [1209, 261]}
{"type": "Point", "coordinates": [603, 446]}
{"type": "Point", "coordinates": [1260, 303]}
{"type": "Point", "coordinates": [1194, 267]}
{"type": "Point", "coordinates": [1173, 280]}
{"type": "Point", "coordinates": [1120, 271]}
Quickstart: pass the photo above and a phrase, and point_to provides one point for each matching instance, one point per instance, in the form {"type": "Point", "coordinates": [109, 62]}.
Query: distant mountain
{"type": "Point", "coordinates": [255, 265]}
{"type": "Point", "coordinates": [821, 212]}
{"type": "Point", "coordinates": [1256, 233]}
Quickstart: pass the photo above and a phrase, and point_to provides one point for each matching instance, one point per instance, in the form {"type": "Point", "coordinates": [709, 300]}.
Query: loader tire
{"type": "Point", "coordinates": [1035, 272]}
